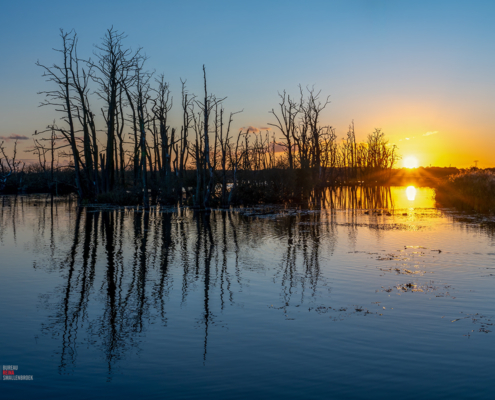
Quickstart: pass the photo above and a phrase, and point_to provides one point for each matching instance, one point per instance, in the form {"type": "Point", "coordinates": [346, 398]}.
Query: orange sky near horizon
{"type": "Point", "coordinates": [441, 145]}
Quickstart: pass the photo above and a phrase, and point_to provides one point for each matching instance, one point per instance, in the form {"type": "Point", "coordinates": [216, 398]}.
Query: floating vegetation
{"type": "Point", "coordinates": [483, 323]}
{"type": "Point", "coordinates": [404, 271]}
{"type": "Point", "coordinates": [427, 287]}
{"type": "Point", "coordinates": [384, 227]}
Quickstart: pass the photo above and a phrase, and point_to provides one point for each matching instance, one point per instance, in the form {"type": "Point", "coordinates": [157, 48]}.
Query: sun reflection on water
{"type": "Point", "coordinates": [411, 193]}
{"type": "Point", "coordinates": [378, 197]}
{"type": "Point", "coordinates": [412, 197]}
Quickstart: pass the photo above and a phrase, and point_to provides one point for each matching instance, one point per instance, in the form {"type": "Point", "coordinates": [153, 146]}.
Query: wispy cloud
{"type": "Point", "coordinates": [250, 128]}
{"type": "Point", "coordinates": [14, 137]}
{"type": "Point", "coordinates": [414, 137]}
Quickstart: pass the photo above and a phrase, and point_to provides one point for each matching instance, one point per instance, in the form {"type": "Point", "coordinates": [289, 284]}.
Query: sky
{"type": "Point", "coordinates": [421, 71]}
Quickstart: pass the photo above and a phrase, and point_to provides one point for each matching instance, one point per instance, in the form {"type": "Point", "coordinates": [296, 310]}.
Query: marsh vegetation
{"type": "Point", "coordinates": [469, 190]}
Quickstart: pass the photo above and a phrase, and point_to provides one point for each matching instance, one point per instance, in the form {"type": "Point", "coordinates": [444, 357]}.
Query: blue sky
{"type": "Point", "coordinates": [408, 67]}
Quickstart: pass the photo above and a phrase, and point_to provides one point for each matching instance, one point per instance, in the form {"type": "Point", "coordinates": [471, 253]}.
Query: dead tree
{"type": "Point", "coordinates": [207, 175]}
{"type": "Point", "coordinates": [61, 75]}
{"type": "Point", "coordinates": [41, 150]}
{"type": "Point", "coordinates": [113, 64]}
{"type": "Point", "coordinates": [182, 147]}
{"type": "Point", "coordinates": [287, 123]}
{"type": "Point", "coordinates": [80, 83]}
{"type": "Point", "coordinates": [235, 160]}
{"type": "Point", "coordinates": [162, 104]}
{"type": "Point", "coordinates": [224, 140]}
{"type": "Point", "coordinates": [311, 109]}
{"type": "Point", "coordinates": [5, 174]}
{"type": "Point", "coordinates": [141, 97]}
{"type": "Point", "coordinates": [16, 167]}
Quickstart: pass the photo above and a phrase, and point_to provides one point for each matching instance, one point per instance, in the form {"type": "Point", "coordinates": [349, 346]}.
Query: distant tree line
{"type": "Point", "coordinates": [137, 156]}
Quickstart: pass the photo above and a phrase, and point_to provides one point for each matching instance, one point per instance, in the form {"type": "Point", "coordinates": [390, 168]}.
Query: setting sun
{"type": "Point", "coordinates": [410, 162]}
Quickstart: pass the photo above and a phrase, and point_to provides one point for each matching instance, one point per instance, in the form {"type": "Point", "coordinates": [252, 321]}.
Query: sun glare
{"type": "Point", "coordinates": [411, 162]}
{"type": "Point", "coordinates": [411, 193]}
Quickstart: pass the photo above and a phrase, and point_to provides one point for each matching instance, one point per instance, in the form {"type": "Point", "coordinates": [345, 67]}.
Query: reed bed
{"type": "Point", "coordinates": [469, 190]}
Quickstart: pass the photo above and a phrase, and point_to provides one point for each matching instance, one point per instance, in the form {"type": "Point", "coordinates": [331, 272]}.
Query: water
{"type": "Point", "coordinates": [292, 304]}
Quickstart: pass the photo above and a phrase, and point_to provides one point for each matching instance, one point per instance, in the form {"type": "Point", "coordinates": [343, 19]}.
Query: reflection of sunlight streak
{"type": "Point", "coordinates": [411, 193]}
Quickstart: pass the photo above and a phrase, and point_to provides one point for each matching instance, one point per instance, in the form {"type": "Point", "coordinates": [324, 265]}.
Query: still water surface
{"type": "Point", "coordinates": [339, 301]}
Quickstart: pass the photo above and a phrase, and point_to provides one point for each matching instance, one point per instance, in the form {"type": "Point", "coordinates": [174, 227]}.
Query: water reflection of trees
{"type": "Point", "coordinates": [121, 269]}
{"type": "Point", "coordinates": [299, 271]}
{"type": "Point", "coordinates": [358, 197]}
{"type": "Point", "coordinates": [126, 263]}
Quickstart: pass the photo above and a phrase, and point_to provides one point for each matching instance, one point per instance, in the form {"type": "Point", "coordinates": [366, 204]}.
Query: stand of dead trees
{"type": "Point", "coordinates": [116, 134]}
